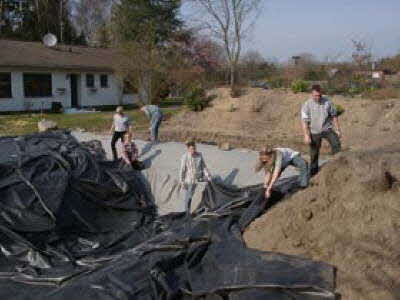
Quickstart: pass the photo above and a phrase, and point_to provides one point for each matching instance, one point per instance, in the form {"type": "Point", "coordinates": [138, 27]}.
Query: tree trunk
{"type": "Point", "coordinates": [232, 75]}
{"type": "Point", "coordinates": [145, 89]}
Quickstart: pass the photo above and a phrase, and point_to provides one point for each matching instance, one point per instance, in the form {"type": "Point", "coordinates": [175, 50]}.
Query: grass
{"type": "Point", "coordinates": [25, 123]}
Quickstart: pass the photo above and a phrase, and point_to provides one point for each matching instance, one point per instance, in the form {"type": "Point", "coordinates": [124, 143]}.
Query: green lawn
{"type": "Point", "coordinates": [18, 124]}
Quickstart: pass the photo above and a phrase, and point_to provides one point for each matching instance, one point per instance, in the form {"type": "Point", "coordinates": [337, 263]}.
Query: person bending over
{"type": "Point", "coordinates": [120, 126]}
{"type": "Point", "coordinates": [154, 113]}
{"type": "Point", "coordinates": [275, 160]}
{"type": "Point", "coordinates": [193, 170]}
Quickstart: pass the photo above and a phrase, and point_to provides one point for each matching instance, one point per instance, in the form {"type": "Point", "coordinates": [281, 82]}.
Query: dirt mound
{"type": "Point", "coordinates": [273, 116]}
{"type": "Point", "coordinates": [349, 217]}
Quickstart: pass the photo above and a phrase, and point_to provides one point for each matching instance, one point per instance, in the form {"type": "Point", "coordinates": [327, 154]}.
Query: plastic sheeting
{"type": "Point", "coordinates": [73, 226]}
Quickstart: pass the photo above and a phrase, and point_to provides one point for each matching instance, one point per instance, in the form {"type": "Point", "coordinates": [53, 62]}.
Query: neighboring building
{"type": "Point", "coordinates": [33, 76]}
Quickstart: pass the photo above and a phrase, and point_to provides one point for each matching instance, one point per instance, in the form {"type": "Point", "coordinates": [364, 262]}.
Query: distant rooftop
{"type": "Point", "coordinates": [36, 56]}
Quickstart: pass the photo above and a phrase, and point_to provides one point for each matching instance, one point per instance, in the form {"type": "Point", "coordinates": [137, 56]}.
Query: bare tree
{"type": "Point", "coordinates": [362, 53]}
{"type": "Point", "coordinates": [229, 21]}
{"type": "Point", "coordinates": [91, 16]}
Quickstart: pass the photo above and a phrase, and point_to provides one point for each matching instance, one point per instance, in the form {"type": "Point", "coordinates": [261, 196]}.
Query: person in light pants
{"type": "Point", "coordinates": [193, 170]}
{"type": "Point", "coordinates": [154, 113]}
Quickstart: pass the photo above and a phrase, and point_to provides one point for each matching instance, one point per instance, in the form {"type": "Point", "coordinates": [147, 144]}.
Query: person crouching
{"type": "Point", "coordinates": [275, 160]}
{"type": "Point", "coordinates": [193, 170]}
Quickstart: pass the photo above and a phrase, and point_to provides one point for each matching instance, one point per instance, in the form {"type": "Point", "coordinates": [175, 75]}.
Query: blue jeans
{"type": "Point", "coordinates": [155, 125]}
{"type": "Point", "coordinates": [189, 192]}
{"type": "Point", "coordinates": [302, 165]}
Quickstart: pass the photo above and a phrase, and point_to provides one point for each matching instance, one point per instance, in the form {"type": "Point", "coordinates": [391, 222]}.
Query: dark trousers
{"type": "Point", "coordinates": [116, 136]}
{"type": "Point", "coordinates": [315, 146]}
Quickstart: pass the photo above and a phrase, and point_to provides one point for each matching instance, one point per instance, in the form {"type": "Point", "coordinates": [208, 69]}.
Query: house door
{"type": "Point", "coordinates": [74, 90]}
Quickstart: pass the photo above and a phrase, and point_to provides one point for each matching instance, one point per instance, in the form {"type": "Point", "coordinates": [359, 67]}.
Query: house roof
{"type": "Point", "coordinates": [34, 55]}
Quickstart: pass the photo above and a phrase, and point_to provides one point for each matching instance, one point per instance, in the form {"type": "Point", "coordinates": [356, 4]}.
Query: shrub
{"type": "Point", "coordinates": [339, 109]}
{"type": "Point", "coordinates": [277, 83]}
{"type": "Point", "coordinates": [196, 99]}
{"type": "Point", "coordinates": [232, 108]}
{"type": "Point", "coordinates": [299, 86]}
{"type": "Point", "coordinates": [257, 105]}
{"type": "Point", "coordinates": [236, 91]}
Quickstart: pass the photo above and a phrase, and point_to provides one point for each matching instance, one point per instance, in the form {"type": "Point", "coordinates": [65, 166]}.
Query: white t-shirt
{"type": "Point", "coordinates": [287, 156]}
{"type": "Point", "coordinates": [121, 123]}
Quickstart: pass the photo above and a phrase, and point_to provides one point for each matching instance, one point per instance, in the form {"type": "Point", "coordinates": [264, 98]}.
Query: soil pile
{"type": "Point", "coordinates": [273, 116]}
{"type": "Point", "coordinates": [349, 217]}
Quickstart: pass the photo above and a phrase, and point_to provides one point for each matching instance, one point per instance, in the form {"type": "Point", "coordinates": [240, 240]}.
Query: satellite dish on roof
{"type": "Point", "coordinates": [50, 40]}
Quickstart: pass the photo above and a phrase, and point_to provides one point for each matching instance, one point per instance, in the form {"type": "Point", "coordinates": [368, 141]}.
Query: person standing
{"type": "Point", "coordinates": [193, 170]}
{"type": "Point", "coordinates": [154, 113]}
{"type": "Point", "coordinates": [275, 160]}
{"type": "Point", "coordinates": [319, 121]}
{"type": "Point", "coordinates": [120, 126]}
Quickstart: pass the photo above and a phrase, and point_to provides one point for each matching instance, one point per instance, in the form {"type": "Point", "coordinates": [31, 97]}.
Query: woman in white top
{"type": "Point", "coordinates": [120, 125]}
{"type": "Point", "coordinates": [275, 160]}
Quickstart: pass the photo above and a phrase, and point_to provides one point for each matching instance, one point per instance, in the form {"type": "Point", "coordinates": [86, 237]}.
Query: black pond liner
{"type": "Point", "coordinates": [74, 226]}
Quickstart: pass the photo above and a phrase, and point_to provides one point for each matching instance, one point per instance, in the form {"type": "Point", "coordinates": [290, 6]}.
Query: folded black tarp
{"type": "Point", "coordinates": [74, 226]}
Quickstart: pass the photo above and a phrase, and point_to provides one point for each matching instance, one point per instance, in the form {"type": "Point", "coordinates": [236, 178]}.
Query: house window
{"type": "Point", "coordinates": [37, 85]}
{"type": "Point", "coordinates": [5, 85]}
{"type": "Point", "coordinates": [104, 81]}
{"type": "Point", "coordinates": [90, 80]}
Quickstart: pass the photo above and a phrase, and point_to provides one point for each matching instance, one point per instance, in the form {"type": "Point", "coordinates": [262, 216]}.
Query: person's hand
{"type": "Point", "coordinates": [307, 139]}
{"type": "Point", "coordinates": [183, 185]}
{"type": "Point", "coordinates": [209, 178]}
{"type": "Point", "coordinates": [339, 133]}
{"type": "Point", "coordinates": [268, 193]}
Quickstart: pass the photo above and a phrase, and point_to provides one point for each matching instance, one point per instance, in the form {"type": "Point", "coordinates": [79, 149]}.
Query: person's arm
{"type": "Point", "coordinates": [267, 178]}
{"type": "Point", "coordinates": [337, 126]}
{"type": "Point", "coordinates": [275, 174]}
{"type": "Point", "coordinates": [125, 156]}
{"type": "Point", "coordinates": [112, 127]}
{"type": "Point", "coordinates": [205, 169]}
{"type": "Point", "coordinates": [306, 132]}
{"type": "Point", "coordinates": [305, 123]}
{"type": "Point", "coordinates": [135, 152]}
{"type": "Point", "coordinates": [130, 127]}
{"type": "Point", "coordinates": [182, 170]}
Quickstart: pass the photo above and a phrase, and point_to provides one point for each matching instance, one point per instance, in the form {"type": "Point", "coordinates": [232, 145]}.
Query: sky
{"type": "Point", "coordinates": [324, 28]}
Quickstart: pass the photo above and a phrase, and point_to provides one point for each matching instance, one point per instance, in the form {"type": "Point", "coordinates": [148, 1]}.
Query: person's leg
{"type": "Point", "coordinates": [334, 141]}
{"type": "Point", "coordinates": [314, 153]}
{"type": "Point", "coordinates": [302, 165]}
{"type": "Point", "coordinates": [116, 136]}
{"type": "Point", "coordinates": [158, 124]}
{"type": "Point", "coordinates": [188, 197]}
{"type": "Point", "coordinates": [113, 142]}
{"type": "Point", "coordinates": [155, 124]}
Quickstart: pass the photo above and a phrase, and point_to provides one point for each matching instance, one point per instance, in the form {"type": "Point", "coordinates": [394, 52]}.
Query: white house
{"type": "Point", "coordinates": [32, 76]}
